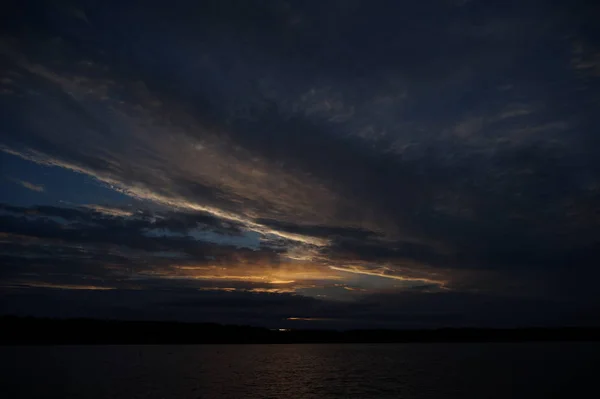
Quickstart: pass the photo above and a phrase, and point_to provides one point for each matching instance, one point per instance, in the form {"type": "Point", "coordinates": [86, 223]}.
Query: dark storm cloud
{"type": "Point", "coordinates": [449, 141]}
{"type": "Point", "coordinates": [45, 233]}
{"type": "Point", "coordinates": [110, 217]}
{"type": "Point", "coordinates": [82, 249]}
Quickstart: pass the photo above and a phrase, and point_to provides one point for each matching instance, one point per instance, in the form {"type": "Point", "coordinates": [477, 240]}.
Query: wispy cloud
{"type": "Point", "coordinates": [356, 270]}
{"type": "Point", "coordinates": [34, 284]}
{"type": "Point", "coordinates": [143, 192]}
{"type": "Point", "coordinates": [30, 186]}
{"type": "Point", "coordinates": [109, 210]}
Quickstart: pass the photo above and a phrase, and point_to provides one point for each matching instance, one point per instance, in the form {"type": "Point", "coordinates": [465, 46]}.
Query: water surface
{"type": "Point", "coordinates": [411, 371]}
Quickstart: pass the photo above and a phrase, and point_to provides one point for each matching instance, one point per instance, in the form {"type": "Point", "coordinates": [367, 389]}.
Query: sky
{"type": "Point", "coordinates": [301, 164]}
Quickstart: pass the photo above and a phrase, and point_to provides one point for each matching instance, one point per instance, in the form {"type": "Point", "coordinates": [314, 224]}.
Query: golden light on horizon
{"type": "Point", "coordinates": [271, 274]}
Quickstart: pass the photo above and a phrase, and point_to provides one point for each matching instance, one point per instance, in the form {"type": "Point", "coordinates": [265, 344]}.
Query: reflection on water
{"type": "Point", "coordinates": [299, 371]}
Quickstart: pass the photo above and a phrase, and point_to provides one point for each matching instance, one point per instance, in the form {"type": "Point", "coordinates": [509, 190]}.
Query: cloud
{"type": "Point", "coordinates": [30, 186]}
{"type": "Point", "coordinates": [63, 286]}
{"type": "Point", "coordinates": [586, 58]}
{"type": "Point", "coordinates": [385, 145]}
{"type": "Point", "coordinates": [391, 276]}
{"type": "Point", "coordinates": [82, 245]}
{"type": "Point", "coordinates": [109, 210]}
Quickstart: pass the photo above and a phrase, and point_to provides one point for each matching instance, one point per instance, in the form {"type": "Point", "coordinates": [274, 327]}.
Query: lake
{"type": "Point", "coordinates": [411, 371]}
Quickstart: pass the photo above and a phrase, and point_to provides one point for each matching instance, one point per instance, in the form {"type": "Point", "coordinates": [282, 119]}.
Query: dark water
{"type": "Point", "coordinates": [541, 370]}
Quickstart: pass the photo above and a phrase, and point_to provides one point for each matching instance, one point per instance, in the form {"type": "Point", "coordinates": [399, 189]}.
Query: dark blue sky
{"type": "Point", "coordinates": [381, 163]}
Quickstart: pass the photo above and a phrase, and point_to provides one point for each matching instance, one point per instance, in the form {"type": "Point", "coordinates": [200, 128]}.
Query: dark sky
{"type": "Point", "coordinates": [301, 163]}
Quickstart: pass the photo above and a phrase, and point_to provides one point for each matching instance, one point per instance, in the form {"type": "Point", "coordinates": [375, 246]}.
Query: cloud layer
{"type": "Point", "coordinates": [343, 150]}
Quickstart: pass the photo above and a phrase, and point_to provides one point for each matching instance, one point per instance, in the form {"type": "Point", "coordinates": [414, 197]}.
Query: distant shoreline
{"type": "Point", "coordinates": [38, 331]}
